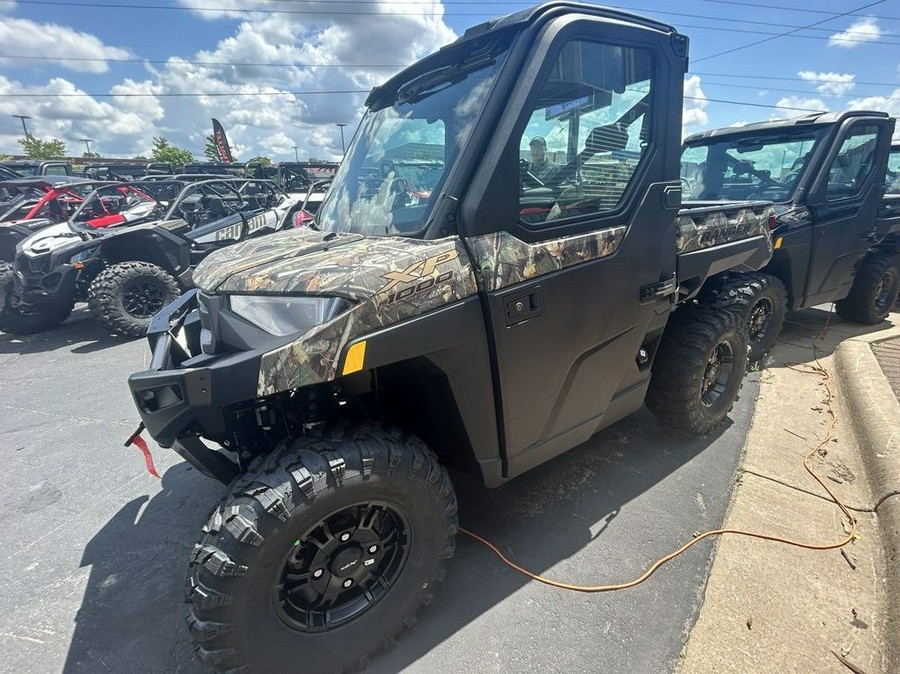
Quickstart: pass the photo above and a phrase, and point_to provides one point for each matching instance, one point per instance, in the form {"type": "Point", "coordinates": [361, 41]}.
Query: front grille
{"type": "Point", "coordinates": [33, 266]}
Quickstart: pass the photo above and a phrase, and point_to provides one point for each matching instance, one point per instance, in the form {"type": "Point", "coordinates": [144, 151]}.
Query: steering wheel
{"type": "Point", "coordinates": [527, 177]}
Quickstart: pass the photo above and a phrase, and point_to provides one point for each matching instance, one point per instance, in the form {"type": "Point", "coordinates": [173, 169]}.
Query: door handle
{"type": "Point", "coordinates": [522, 306]}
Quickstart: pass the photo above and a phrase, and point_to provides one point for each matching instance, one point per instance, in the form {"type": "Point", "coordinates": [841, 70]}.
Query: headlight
{"type": "Point", "coordinates": [285, 315]}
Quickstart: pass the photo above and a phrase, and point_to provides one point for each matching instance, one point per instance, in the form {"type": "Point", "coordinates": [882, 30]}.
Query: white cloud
{"type": "Point", "coordinates": [830, 83]}
{"type": "Point", "coordinates": [258, 104]}
{"type": "Point", "coordinates": [695, 101]}
{"type": "Point", "coordinates": [795, 106]}
{"type": "Point", "coordinates": [889, 104]}
{"type": "Point", "coordinates": [22, 37]}
{"type": "Point", "coordinates": [860, 32]}
{"type": "Point", "coordinates": [738, 125]}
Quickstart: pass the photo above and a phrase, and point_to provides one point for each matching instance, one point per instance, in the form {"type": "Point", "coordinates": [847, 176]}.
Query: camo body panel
{"type": "Point", "coordinates": [696, 231]}
{"type": "Point", "coordinates": [223, 263]}
{"type": "Point", "coordinates": [502, 260]}
{"type": "Point", "coordinates": [391, 279]}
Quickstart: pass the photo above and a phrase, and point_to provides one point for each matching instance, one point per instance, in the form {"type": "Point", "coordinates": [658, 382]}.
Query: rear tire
{"type": "Point", "coordinates": [873, 292]}
{"type": "Point", "coordinates": [126, 296]}
{"type": "Point", "coordinates": [362, 522]}
{"type": "Point", "coordinates": [699, 368]}
{"type": "Point", "coordinates": [760, 299]}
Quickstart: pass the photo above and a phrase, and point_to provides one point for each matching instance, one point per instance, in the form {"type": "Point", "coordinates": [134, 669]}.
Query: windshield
{"type": "Point", "coordinates": [396, 165]}
{"type": "Point", "coordinates": [759, 166]}
{"type": "Point", "coordinates": [125, 203]}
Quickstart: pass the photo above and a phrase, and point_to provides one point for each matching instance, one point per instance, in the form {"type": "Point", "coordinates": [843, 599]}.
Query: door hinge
{"type": "Point", "coordinates": [660, 289]}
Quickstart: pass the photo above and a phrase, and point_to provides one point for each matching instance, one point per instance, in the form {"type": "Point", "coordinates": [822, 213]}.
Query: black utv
{"type": "Point", "coordinates": [834, 238]}
{"type": "Point", "coordinates": [330, 376]}
{"type": "Point", "coordinates": [129, 249]}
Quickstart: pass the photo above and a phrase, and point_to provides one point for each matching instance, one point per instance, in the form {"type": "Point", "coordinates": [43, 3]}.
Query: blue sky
{"type": "Point", "coordinates": [155, 56]}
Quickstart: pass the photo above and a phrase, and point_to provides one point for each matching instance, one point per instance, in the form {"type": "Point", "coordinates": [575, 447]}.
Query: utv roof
{"type": "Point", "coordinates": [46, 181]}
{"type": "Point", "coordinates": [485, 33]}
{"type": "Point", "coordinates": [813, 119]}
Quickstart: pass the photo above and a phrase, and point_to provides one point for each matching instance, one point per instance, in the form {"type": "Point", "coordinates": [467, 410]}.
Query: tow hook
{"type": "Point", "coordinates": [139, 442]}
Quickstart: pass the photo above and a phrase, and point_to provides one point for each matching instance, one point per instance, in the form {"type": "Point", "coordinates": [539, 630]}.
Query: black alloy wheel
{"type": "Point", "coordinates": [144, 297]}
{"type": "Point", "coordinates": [718, 373]}
{"type": "Point", "coordinates": [342, 566]}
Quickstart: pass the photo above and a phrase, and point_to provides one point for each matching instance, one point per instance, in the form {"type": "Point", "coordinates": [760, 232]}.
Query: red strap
{"type": "Point", "coordinates": [148, 457]}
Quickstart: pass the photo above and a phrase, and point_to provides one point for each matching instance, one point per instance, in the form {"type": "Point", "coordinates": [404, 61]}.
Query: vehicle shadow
{"type": "Point", "coordinates": [80, 333]}
{"type": "Point", "coordinates": [133, 611]}
{"type": "Point", "coordinates": [817, 331]}
{"type": "Point", "coordinates": [132, 614]}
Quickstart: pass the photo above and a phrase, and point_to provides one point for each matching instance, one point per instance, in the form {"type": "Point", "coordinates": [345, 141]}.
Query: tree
{"type": "Point", "coordinates": [261, 160]}
{"type": "Point", "coordinates": [171, 154]}
{"type": "Point", "coordinates": [36, 148]}
{"type": "Point", "coordinates": [211, 151]}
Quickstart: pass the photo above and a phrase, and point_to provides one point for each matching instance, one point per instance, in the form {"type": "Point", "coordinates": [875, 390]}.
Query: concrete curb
{"type": "Point", "coordinates": [875, 418]}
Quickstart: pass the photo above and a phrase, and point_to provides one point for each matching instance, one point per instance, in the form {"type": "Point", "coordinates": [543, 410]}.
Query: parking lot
{"type": "Point", "coordinates": [95, 549]}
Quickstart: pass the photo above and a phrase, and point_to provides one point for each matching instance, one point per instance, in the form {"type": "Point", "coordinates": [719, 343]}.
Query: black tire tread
{"type": "Point", "coordinates": [673, 393]}
{"type": "Point", "coordinates": [104, 296]}
{"type": "Point", "coordinates": [859, 305]}
{"type": "Point", "coordinates": [740, 292]}
{"type": "Point", "coordinates": [267, 494]}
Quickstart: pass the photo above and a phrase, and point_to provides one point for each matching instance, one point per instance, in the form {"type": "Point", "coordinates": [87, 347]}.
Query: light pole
{"type": "Point", "coordinates": [341, 125]}
{"type": "Point", "coordinates": [296, 156]}
{"type": "Point", "coordinates": [25, 128]}
{"type": "Point", "coordinates": [87, 142]}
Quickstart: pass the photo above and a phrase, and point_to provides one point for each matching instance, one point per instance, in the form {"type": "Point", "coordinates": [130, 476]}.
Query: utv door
{"type": "Point", "coordinates": [844, 201]}
{"type": "Point", "coordinates": [573, 264]}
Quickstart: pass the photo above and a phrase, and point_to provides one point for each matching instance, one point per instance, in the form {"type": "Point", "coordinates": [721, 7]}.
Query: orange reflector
{"type": "Point", "coordinates": [778, 242]}
{"type": "Point", "coordinates": [356, 356]}
{"type": "Point", "coordinates": [78, 265]}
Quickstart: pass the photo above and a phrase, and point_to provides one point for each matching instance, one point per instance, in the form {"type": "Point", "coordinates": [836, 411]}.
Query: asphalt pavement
{"type": "Point", "coordinates": [94, 549]}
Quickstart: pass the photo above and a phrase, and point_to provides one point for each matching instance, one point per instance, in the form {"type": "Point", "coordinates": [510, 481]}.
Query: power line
{"type": "Point", "coordinates": [855, 94]}
{"type": "Point", "coordinates": [756, 5]}
{"type": "Point", "coordinates": [188, 94]}
{"type": "Point", "coordinates": [321, 92]}
{"type": "Point", "coordinates": [790, 32]}
{"type": "Point", "coordinates": [180, 61]}
{"type": "Point", "coordinates": [788, 79]}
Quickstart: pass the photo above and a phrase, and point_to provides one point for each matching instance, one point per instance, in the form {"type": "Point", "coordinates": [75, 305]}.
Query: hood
{"type": "Point", "coordinates": [50, 238]}
{"type": "Point", "coordinates": [258, 253]}
{"type": "Point", "coordinates": [358, 268]}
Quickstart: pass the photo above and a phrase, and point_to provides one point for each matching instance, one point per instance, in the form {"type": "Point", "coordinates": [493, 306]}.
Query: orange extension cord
{"type": "Point", "coordinates": [819, 369]}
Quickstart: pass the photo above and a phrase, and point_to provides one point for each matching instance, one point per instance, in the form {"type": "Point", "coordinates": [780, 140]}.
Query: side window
{"type": "Point", "coordinates": [56, 171]}
{"type": "Point", "coordinates": [586, 134]}
{"type": "Point", "coordinates": [693, 164]}
{"type": "Point", "coordinates": [853, 164]}
{"type": "Point", "coordinates": [893, 172]}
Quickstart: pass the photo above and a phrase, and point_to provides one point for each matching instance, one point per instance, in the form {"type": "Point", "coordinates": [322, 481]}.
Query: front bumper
{"type": "Point", "coordinates": [183, 396]}
{"type": "Point", "coordinates": [37, 280]}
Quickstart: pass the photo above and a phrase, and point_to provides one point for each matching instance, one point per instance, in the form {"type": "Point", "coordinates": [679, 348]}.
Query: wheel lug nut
{"type": "Point", "coordinates": [318, 573]}
{"type": "Point", "coordinates": [348, 582]}
{"type": "Point", "coordinates": [345, 537]}
{"type": "Point", "coordinates": [373, 549]}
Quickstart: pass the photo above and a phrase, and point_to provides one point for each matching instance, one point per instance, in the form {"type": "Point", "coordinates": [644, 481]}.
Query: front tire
{"type": "Point", "coordinates": [699, 368]}
{"type": "Point", "coordinates": [27, 320]}
{"type": "Point", "coordinates": [126, 296]}
{"type": "Point", "coordinates": [321, 554]}
{"type": "Point", "coordinates": [873, 292]}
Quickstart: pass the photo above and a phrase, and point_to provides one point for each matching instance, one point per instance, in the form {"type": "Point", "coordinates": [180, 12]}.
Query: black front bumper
{"type": "Point", "coordinates": [40, 280]}
{"type": "Point", "coordinates": [185, 394]}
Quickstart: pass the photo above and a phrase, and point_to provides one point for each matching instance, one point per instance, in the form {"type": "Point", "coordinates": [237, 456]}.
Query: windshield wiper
{"type": "Point", "coordinates": [427, 83]}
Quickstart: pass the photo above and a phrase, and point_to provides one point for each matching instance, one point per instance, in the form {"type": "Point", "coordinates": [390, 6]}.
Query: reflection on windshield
{"type": "Point", "coordinates": [747, 167]}
{"type": "Point", "coordinates": [395, 167]}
